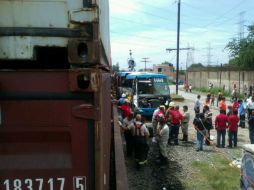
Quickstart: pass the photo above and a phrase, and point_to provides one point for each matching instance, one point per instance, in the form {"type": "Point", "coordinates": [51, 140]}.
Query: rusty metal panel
{"type": "Point", "coordinates": [120, 168]}
{"type": "Point", "coordinates": [84, 15]}
{"type": "Point", "coordinates": [84, 80]}
{"type": "Point", "coordinates": [82, 51]}
{"type": "Point", "coordinates": [106, 126]}
{"type": "Point", "coordinates": [45, 144]}
{"type": "Point", "coordinates": [50, 136]}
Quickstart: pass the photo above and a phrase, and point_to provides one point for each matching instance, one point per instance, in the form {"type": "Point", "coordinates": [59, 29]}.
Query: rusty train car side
{"type": "Point", "coordinates": [55, 123]}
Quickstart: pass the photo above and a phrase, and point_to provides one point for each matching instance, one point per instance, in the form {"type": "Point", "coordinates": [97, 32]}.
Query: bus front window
{"type": "Point", "coordinates": [161, 86]}
{"type": "Point", "coordinates": [145, 87]}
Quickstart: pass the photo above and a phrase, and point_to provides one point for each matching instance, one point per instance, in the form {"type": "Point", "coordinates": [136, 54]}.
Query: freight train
{"type": "Point", "coordinates": [55, 127]}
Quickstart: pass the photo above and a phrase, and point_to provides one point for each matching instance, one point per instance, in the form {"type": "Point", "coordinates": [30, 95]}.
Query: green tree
{"type": "Point", "coordinates": [197, 65]}
{"type": "Point", "coordinates": [167, 63]}
{"type": "Point", "coordinates": [242, 51]}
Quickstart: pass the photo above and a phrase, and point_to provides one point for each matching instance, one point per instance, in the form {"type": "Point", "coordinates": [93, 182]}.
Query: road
{"type": "Point", "coordinates": [193, 96]}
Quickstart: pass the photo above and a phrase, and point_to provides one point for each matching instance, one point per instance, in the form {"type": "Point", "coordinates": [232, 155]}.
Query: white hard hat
{"type": "Point", "coordinates": [123, 95]}
{"type": "Point", "coordinates": [171, 104]}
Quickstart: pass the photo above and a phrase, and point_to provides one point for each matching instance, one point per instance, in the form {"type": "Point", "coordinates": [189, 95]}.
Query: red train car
{"type": "Point", "coordinates": [55, 129]}
{"type": "Point", "coordinates": [55, 101]}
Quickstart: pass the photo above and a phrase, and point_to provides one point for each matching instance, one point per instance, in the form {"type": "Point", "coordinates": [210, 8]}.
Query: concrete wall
{"type": "Point", "coordinates": [222, 79]}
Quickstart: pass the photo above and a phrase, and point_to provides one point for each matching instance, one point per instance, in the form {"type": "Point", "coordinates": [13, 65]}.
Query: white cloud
{"type": "Point", "coordinates": [122, 7]}
{"type": "Point", "coordinates": [153, 30]}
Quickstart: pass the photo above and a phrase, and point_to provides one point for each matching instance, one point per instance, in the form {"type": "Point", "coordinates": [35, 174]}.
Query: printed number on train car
{"type": "Point", "coordinates": [79, 183]}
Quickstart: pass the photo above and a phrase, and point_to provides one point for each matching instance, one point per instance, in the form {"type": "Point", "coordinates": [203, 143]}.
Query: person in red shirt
{"type": "Point", "coordinates": [235, 104]}
{"type": "Point", "coordinates": [221, 125]}
{"type": "Point", "coordinates": [126, 109]}
{"type": "Point", "coordinates": [175, 121]}
{"type": "Point", "coordinates": [222, 104]}
{"type": "Point", "coordinates": [232, 128]}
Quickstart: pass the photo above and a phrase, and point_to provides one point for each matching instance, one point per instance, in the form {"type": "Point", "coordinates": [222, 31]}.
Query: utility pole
{"type": "Point", "coordinates": [178, 44]}
{"type": "Point", "coordinates": [145, 61]}
{"type": "Point", "coordinates": [177, 63]}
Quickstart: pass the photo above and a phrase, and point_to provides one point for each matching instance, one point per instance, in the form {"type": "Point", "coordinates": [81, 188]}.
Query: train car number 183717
{"type": "Point", "coordinates": [79, 183]}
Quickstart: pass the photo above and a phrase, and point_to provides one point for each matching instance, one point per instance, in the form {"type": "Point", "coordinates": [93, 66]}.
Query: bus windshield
{"type": "Point", "coordinates": [161, 86]}
{"type": "Point", "coordinates": [156, 86]}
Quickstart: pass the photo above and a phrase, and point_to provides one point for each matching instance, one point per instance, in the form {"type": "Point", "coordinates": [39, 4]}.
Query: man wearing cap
{"type": "Point", "coordinates": [121, 100]}
{"type": "Point", "coordinates": [159, 110]}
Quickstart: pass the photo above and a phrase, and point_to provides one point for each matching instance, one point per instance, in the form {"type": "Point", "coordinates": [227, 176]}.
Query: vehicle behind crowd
{"type": "Point", "coordinates": [247, 167]}
{"type": "Point", "coordinates": [123, 87]}
{"type": "Point", "coordinates": [150, 90]}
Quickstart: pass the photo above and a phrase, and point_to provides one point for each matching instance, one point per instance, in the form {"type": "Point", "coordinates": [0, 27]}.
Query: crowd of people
{"type": "Point", "coordinates": [167, 120]}
{"type": "Point", "coordinates": [166, 123]}
{"type": "Point", "coordinates": [228, 120]}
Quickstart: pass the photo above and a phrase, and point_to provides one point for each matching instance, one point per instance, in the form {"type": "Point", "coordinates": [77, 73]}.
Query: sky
{"type": "Point", "coordinates": [149, 27]}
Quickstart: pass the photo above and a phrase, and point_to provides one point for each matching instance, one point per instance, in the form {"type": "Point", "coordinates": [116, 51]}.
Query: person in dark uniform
{"type": "Point", "coordinates": [140, 135]}
{"type": "Point", "coordinates": [198, 123]}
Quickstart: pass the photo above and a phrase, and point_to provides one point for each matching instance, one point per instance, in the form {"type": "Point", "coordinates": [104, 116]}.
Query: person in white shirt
{"type": "Point", "coordinates": [162, 135]}
{"type": "Point", "coordinates": [127, 134]}
{"type": "Point", "coordinates": [159, 110]}
{"type": "Point", "coordinates": [197, 105]}
{"type": "Point", "coordinates": [190, 88]}
{"type": "Point", "coordinates": [250, 105]}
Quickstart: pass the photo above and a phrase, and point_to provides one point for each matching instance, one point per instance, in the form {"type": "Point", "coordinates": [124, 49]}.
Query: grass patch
{"type": "Point", "coordinates": [215, 174]}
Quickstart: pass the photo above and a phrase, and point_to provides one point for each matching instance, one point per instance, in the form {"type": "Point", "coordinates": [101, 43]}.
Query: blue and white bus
{"type": "Point", "coordinates": [150, 91]}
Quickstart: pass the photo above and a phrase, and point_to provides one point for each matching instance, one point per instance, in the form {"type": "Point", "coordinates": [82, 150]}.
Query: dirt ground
{"type": "Point", "coordinates": [178, 171]}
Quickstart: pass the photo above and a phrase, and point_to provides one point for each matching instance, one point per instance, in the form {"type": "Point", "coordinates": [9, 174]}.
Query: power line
{"type": "Point", "coordinates": [138, 36]}
{"type": "Point", "coordinates": [138, 44]}
{"type": "Point", "coordinates": [139, 23]}
{"type": "Point", "coordinates": [225, 13]}
{"type": "Point", "coordinates": [145, 12]}
{"type": "Point", "coordinates": [220, 17]}
{"type": "Point", "coordinates": [158, 8]}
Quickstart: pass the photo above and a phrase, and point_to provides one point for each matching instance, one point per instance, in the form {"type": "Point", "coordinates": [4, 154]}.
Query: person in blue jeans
{"type": "Point", "coordinates": [201, 131]}
{"type": "Point", "coordinates": [242, 112]}
{"type": "Point", "coordinates": [221, 121]}
{"type": "Point", "coordinates": [251, 127]}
